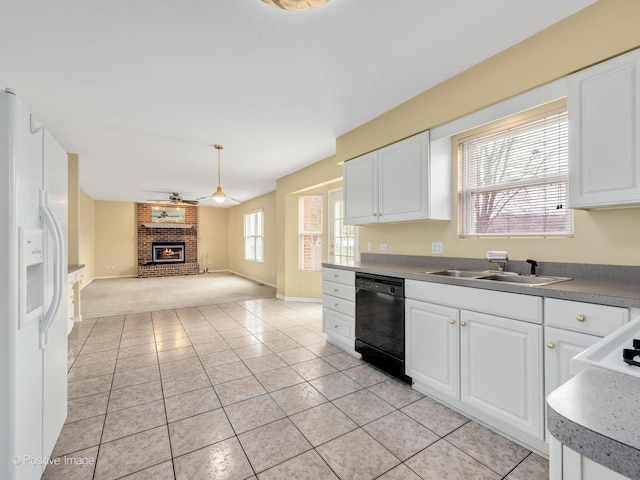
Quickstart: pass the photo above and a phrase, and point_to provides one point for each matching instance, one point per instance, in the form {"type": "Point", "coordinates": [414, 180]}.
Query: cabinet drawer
{"type": "Point", "coordinates": [348, 292]}
{"type": "Point", "coordinates": [346, 307]}
{"type": "Point", "coordinates": [335, 275]}
{"type": "Point", "coordinates": [584, 317]}
{"type": "Point", "coordinates": [334, 323]}
{"type": "Point", "coordinates": [504, 304]}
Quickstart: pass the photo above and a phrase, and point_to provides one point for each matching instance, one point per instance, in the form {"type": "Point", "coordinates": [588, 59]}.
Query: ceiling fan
{"type": "Point", "coordinates": [219, 196]}
{"type": "Point", "coordinates": [175, 198]}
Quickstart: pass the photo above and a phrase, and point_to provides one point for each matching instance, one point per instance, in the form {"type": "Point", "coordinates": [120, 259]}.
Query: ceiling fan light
{"type": "Point", "coordinates": [296, 5]}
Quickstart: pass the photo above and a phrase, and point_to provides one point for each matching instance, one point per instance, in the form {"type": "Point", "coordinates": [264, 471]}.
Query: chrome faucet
{"type": "Point", "coordinates": [501, 258]}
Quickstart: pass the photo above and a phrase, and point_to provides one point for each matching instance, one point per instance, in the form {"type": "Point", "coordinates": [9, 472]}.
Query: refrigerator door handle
{"type": "Point", "coordinates": [51, 224]}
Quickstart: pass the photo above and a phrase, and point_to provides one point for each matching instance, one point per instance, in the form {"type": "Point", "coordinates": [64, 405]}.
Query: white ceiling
{"type": "Point", "coordinates": [141, 89]}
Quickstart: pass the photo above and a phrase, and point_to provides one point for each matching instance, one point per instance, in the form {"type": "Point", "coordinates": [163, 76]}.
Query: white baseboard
{"type": "Point", "coordinates": [85, 285]}
{"type": "Point", "coordinates": [114, 276]}
{"type": "Point", "coordinates": [77, 319]}
{"type": "Point", "coordinates": [250, 278]}
{"type": "Point", "coordinates": [298, 299]}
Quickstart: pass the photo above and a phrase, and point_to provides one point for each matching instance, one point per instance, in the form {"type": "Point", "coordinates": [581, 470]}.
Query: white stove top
{"type": "Point", "coordinates": [607, 353]}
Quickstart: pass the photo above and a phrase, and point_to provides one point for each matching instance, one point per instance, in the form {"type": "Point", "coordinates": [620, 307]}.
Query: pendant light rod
{"type": "Point", "coordinates": [218, 148]}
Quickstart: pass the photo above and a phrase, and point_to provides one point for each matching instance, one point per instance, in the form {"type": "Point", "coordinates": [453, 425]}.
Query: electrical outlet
{"type": "Point", "coordinates": [437, 248]}
{"type": "Point", "coordinates": [369, 246]}
{"type": "Point", "coordinates": [110, 267]}
{"type": "Point", "coordinates": [384, 247]}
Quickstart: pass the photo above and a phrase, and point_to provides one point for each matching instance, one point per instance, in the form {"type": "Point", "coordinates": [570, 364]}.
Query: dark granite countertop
{"type": "Point", "coordinates": [75, 268]}
{"type": "Point", "coordinates": [601, 284]}
{"type": "Point", "coordinates": [595, 414]}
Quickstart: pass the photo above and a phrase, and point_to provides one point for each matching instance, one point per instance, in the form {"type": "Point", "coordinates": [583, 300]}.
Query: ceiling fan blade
{"type": "Point", "coordinates": [174, 198]}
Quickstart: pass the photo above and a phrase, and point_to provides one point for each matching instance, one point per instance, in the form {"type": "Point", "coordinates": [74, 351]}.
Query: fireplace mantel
{"type": "Point", "coordinates": [167, 225]}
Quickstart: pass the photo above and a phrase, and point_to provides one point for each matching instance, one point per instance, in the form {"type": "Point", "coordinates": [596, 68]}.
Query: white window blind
{"type": "Point", "coordinates": [513, 182]}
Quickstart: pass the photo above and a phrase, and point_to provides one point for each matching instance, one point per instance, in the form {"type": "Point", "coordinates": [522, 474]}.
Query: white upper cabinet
{"type": "Point", "coordinates": [604, 131]}
{"type": "Point", "coordinates": [361, 190]}
{"type": "Point", "coordinates": [397, 183]}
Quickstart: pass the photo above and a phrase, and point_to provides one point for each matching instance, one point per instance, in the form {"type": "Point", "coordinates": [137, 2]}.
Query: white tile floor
{"type": "Point", "coordinates": [252, 390]}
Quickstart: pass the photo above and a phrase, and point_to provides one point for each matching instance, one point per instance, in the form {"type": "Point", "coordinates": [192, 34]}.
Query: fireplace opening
{"type": "Point", "coordinates": [162, 252]}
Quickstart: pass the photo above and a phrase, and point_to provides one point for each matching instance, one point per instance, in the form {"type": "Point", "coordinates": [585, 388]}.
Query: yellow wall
{"type": "Point", "coordinates": [290, 282]}
{"type": "Point", "coordinates": [116, 239]}
{"type": "Point", "coordinates": [264, 271]}
{"type": "Point", "coordinates": [603, 30]}
{"type": "Point", "coordinates": [212, 238]}
{"type": "Point", "coordinates": [73, 209]}
{"type": "Point", "coordinates": [87, 236]}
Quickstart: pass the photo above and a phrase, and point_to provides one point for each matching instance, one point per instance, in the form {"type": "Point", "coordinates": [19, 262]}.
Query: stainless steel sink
{"type": "Point", "coordinates": [523, 279]}
{"type": "Point", "coordinates": [494, 276]}
{"type": "Point", "coordinates": [459, 273]}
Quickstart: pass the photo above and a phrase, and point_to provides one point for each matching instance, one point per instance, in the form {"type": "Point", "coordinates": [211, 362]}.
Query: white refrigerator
{"type": "Point", "coordinates": [33, 291]}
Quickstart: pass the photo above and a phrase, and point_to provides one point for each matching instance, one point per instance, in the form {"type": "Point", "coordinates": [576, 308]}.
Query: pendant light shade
{"type": "Point", "coordinates": [297, 5]}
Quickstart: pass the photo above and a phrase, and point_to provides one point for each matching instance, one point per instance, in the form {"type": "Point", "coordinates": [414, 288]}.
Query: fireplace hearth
{"type": "Point", "coordinates": [167, 252]}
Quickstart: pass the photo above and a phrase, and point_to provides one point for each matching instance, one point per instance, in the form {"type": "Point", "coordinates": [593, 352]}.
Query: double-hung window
{"type": "Point", "coordinates": [513, 181]}
{"type": "Point", "coordinates": [253, 231]}
{"type": "Point", "coordinates": [310, 232]}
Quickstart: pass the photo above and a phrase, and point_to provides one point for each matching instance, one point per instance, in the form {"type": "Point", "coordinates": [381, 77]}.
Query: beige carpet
{"type": "Point", "coordinates": [117, 296]}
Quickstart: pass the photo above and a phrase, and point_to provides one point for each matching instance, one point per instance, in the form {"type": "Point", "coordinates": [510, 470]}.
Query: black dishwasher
{"type": "Point", "coordinates": [380, 322]}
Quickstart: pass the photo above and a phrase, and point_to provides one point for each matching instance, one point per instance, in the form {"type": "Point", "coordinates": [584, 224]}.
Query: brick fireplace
{"type": "Point", "coordinates": [152, 262]}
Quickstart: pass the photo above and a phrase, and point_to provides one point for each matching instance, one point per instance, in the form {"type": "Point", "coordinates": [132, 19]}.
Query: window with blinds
{"type": "Point", "coordinates": [513, 182]}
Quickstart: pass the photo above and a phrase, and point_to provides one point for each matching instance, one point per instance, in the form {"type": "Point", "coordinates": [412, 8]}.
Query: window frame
{"type": "Point", "coordinates": [331, 231]}
{"type": "Point", "coordinates": [256, 246]}
{"type": "Point", "coordinates": [302, 233]}
{"type": "Point", "coordinates": [503, 126]}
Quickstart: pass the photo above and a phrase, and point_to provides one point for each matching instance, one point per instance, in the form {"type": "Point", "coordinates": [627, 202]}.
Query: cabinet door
{"type": "Point", "coordinates": [501, 369]}
{"type": "Point", "coordinates": [604, 130]}
{"type": "Point", "coordinates": [361, 190]}
{"type": "Point", "coordinates": [432, 346]}
{"type": "Point", "coordinates": [561, 347]}
{"type": "Point", "coordinates": [339, 328]}
{"type": "Point", "coordinates": [404, 179]}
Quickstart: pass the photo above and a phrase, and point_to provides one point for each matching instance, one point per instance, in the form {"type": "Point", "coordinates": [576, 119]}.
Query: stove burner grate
{"type": "Point", "coordinates": [629, 354]}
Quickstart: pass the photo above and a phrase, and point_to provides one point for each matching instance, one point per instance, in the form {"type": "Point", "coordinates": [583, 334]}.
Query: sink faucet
{"type": "Point", "coordinates": [501, 258]}
{"type": "Point", "coordinates": [533, 264]}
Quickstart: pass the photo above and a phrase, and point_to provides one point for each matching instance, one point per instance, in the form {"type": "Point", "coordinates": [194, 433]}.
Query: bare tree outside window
{"type": "Point", "coordinates": [514, 181]}
{"type": "Point", "coordinates": [310, 230]}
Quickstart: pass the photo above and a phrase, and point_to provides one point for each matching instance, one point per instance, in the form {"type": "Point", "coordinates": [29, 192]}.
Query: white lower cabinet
{"type": "Point", "coordinates": [338, 308]}
{"type": "Point", "coordinates": [560, 347]}
{"type": "Point", "coordinates": [501, 369]}
{"type": "Point", "coordinates": [489, 364]}
{"type": "Point", "coordinates": [567, 464]}
{"type": "Point", "coordinates": [432, 346]}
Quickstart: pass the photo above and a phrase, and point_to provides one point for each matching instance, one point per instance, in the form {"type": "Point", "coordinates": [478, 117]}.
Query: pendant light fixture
{"type": "Point", "coordinates": [219, 196]}
{"type": "Point", "coordinates": [297, 5]}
